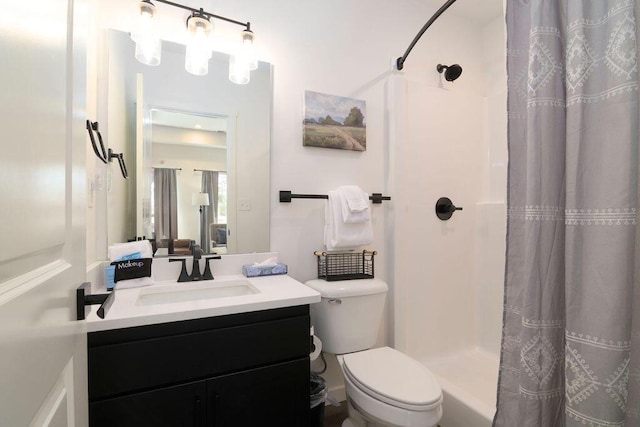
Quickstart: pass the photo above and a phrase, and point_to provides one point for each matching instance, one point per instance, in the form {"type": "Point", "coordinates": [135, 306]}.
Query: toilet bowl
{"type": "Point", "coordinates": [384, 386]}
{"type": "Point", "coordinates": [388, 388]}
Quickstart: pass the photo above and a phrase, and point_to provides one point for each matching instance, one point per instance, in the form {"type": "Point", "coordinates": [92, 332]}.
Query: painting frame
{"type": "Point", "coordinates": [332, 121]}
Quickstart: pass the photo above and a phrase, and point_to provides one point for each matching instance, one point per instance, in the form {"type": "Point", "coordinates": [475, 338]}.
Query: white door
{"type": "Point", "coordinates": [42, 213]}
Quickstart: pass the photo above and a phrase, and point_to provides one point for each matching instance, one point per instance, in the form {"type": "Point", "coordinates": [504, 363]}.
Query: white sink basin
{"type": "Point", "coordinates": [195, 291]}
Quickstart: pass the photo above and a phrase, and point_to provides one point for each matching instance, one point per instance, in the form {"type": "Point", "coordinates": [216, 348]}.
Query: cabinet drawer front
{"type": "Point", "coordinates": [122, 368]}
{"type": "Point", "coordinates": [276, 395]}
{"type": "Point", "coordinates": [179, 406]}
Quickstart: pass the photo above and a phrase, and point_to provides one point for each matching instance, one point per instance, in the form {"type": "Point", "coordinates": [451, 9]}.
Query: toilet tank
{"type": "Point", "coordinates": [348, 317]}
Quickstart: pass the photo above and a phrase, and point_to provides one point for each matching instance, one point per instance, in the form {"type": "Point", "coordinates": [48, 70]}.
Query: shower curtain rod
{"type": "Point", "coordinates": [400, 61]}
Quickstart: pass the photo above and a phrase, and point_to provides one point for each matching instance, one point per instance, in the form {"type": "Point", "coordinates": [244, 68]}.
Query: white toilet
{"type": "Point", "coordinates": [384, 386]}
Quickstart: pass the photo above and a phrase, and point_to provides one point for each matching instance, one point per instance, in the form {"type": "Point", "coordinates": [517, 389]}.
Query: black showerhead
{"type": "Point", "coordinates": [451, 72]}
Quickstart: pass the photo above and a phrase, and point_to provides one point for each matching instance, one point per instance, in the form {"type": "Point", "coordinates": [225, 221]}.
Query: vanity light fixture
{"type": "Point", "coordinates": [148, 44]}
{"type": "Point", "coordinates": [244, 60]}
{"type": "Point", "coordinates": [199, 45]}
{"type": "Point", "coordinates": [199, 49]}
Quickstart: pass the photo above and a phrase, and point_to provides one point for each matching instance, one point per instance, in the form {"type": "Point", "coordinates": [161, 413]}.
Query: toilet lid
{"type": "Point", "coordinates": [394, 378]}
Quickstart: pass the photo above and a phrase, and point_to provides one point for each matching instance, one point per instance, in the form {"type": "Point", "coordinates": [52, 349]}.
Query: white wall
{"type": "Point", "coordinates": [346, 48]}
{"type": "Point", "coordinates": [118, 130]}
{"type": "Point", "coordinates": [491, 212]}
{"type": "Point", "coordinates": [447, 291]}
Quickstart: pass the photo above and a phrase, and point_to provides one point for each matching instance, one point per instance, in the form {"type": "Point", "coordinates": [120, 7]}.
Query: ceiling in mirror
{"type": "Point", "coordinates": [183, 120]}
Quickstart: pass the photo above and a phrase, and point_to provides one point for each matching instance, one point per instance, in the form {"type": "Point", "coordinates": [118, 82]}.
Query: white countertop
{"type": "Point", "coordinates": [273, 292]}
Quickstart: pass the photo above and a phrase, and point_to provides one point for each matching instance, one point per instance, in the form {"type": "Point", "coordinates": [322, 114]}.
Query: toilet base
{"type": "Point", "coordinates": [357, 419]}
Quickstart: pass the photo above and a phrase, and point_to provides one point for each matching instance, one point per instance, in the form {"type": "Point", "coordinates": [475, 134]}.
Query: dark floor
{"type": "Point", "coordinates": [334, 415]}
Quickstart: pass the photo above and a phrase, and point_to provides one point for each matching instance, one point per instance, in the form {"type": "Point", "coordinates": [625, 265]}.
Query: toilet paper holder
{"type": "Point", "coordinates": [315, 345]}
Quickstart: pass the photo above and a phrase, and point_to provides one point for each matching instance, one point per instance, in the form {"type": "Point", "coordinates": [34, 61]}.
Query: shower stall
{"type": "Point", "coordinates": [448, 139]}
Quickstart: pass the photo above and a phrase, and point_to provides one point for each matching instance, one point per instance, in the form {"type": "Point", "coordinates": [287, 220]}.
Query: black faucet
{"type": "Point", "coordinates": [195, 270]}
{"type": "Point", "coordinates": [207, 269]}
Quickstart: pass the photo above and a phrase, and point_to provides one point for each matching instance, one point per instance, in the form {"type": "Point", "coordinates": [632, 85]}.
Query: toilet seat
{"type": "Point", "coordinates": [394, 378]}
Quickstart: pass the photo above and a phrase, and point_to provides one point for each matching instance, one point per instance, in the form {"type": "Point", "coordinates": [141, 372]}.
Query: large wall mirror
{"type": "Point", "coordinates": [197, 149]}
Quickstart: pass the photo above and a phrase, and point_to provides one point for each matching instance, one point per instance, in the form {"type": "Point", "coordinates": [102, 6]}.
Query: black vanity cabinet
{"type": "Point", "coordinates": [249, 369]}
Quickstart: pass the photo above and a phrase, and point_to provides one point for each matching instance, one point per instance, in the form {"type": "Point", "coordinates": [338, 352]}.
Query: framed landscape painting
{"type": "Point", "coordinates": [334, 122]}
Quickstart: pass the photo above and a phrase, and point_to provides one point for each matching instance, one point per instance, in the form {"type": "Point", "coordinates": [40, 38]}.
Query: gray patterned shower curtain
{"type": "Point", "coordinates": [571, 334]}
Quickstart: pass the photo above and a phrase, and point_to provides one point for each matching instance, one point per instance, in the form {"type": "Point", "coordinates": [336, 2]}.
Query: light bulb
{"type": "Point", "coordinates": [248, 49]}
{"type": "Point", "coordinates": [148, 44]}
{"type": "Point", "coordinates": [199, 46]}
{"type": "Point", "coordinates": [239, 72]}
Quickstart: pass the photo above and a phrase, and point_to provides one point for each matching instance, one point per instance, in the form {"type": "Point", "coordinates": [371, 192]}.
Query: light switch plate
{"type": "Point", "coordinates": [244, 204]}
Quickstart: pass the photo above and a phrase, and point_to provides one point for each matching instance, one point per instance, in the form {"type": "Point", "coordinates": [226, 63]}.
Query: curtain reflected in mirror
{"type": "Point", "coordinates": [165, 207]}
{"type": "Point", "coordinates": [213, 221]}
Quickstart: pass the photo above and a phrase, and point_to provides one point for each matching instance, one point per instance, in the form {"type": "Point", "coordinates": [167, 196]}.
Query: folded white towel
{"type": "Point", "coordinates": [119, 250]}
{"type": "Point", "coordinates": [354, 203]}
{"type": "Point", "coordinates": [341, 235]}
{"type": "Point", "coordinates": [357, 200]}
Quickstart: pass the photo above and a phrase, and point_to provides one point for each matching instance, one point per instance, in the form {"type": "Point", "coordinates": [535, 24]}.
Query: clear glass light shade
{"type": "Point", "coordinates": [244, 60]}
{"type": "Point", "coordinates": [248, 49]}
{"type": "Point", "coordinates": [199, 46]}
{"type": "Point", "coordinates": [148, 44]}
{"type": "Point", "coordinates": [239, 71]}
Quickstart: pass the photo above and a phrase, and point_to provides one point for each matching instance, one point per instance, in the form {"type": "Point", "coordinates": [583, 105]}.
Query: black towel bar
{"type": "Point", "coordinates": [286, 196]}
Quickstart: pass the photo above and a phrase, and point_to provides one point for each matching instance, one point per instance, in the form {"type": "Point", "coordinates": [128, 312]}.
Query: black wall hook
{"type": "Point", "coordinates": [101, 154]}
{"type": "Point", "coordinates": [120, 157]}
{"type": "Point", "coordinates": [445, 208]}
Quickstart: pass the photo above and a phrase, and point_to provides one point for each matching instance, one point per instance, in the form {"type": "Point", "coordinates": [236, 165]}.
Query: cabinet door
{"type": "Point", "coordinates": [273, 395]}
{"type": "Point", "coordinates": [178, 406]}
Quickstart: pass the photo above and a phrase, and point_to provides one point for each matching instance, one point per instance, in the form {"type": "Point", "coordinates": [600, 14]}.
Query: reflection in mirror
{"type": "Point", "coordinates": [189, 186]}
{"type": "Point", "coordinates": [147, 109]}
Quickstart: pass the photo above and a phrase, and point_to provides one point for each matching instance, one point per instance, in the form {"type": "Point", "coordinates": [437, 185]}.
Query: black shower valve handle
{"type": "Point", "coordinates": [445, 208]}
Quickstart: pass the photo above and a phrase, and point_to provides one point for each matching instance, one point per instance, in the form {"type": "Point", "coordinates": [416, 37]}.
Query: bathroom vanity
{"type": "Point", "coordinates": [234, 361]}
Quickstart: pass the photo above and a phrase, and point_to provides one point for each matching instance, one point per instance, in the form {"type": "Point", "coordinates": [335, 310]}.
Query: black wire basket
{"type": "Point", "coordinates": [334, 266]}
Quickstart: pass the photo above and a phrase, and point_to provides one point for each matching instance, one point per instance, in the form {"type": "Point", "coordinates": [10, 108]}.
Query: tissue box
{"type": "Point", "coordinates": [263, 270]}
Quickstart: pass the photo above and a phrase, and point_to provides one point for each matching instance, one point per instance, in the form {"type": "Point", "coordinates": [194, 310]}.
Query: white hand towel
{"type": "Point", "coordinates": [119, 250]}
{"type": "Point", "coordinates": [355, 204]}
{"type": "Point", "coordinates": [357, 199]}
{"type": "Point", "coordinates": [341, 235]}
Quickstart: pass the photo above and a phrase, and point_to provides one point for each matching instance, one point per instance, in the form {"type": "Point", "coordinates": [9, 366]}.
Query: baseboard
{"type": "Point", "coordinates": [338, 393]}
